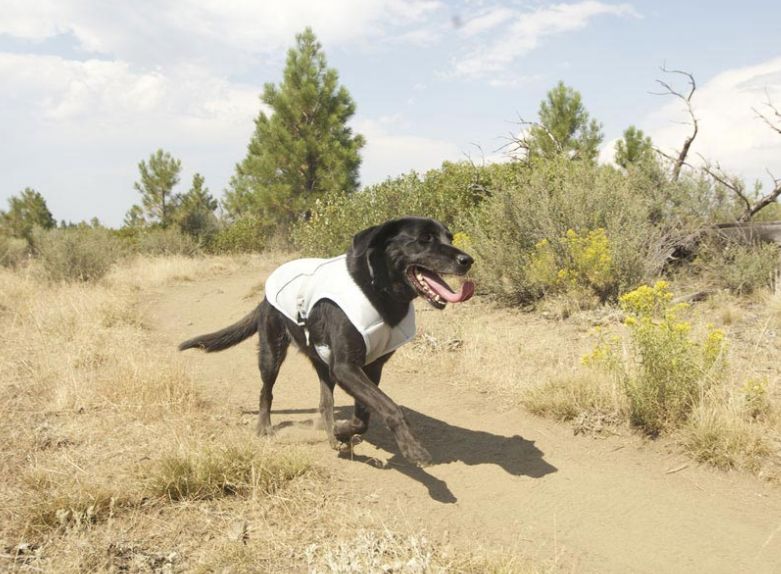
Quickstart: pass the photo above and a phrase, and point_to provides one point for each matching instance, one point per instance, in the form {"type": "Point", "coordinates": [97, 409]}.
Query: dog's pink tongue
{"type": "Point", "coordinates": [443, 289]}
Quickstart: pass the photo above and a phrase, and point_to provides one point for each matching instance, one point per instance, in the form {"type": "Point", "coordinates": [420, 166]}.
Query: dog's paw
{"type": "Point", "coordinates": [343, 431]}
{"type": "Point", "coordinates": [346, 448]}
{"type": "Point", "coordinates": [416, 454]}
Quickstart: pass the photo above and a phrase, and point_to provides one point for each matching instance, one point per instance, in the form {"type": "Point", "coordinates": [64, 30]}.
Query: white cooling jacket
{"type": "Point", "coordinates": [296, 286]}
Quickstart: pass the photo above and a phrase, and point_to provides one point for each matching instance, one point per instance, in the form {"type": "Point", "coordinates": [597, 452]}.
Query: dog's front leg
{"type": "Point", "coordinates": [359, 424]}
{"type": "Point", "coordinates": [355, 382]}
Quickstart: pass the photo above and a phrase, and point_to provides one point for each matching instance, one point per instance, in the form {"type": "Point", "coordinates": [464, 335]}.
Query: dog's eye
{"type": "Point", "coordinates": [426, 238]}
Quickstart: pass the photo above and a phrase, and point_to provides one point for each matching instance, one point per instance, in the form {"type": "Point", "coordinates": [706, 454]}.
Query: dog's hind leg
{"type": "Point", "coordinates": [274, 341]}
{"type": "Point", "coordinates": [326, 402]}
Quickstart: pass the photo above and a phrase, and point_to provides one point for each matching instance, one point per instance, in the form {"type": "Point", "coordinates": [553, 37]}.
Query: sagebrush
{"type": "Point", "coordinates": [596, 225]}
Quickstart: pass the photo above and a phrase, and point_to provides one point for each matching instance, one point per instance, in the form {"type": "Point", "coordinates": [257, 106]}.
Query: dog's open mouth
{"type": "Point", "coordinates": [435, 290]}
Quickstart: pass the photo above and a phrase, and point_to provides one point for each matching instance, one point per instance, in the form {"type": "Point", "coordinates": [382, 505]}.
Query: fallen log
{"type": "Point", "coordinates": [766, 232]}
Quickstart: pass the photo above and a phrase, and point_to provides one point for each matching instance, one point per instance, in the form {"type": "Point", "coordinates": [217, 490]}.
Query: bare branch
{"type": "Point", "coordinates": [664, 154]}
{"type": "Point", "coordinates": [680, 160]}
{"type": "Point", "coordinates": [770, 197]}
{"type": "Point", "coordinates": [774, 122]}
{"type": "Point", "coordinates": [672, 158]}
{"type": "Point", "coordinates": [468, 156]}
{"type": "Point", "coordinates": [766, 200]}
{"type": "Point", "coordinates": [731, 183]}
{"type": "Point", "coordinates": [737, 186]}
{"type": "Point", "coordinates": [767, 120]}
{"type": "Point", "coordinates": [477, 186]}
{"type": "Point", "coordinates": [523, 142]}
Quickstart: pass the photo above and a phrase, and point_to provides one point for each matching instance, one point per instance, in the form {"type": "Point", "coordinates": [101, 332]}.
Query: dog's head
{"type": "Point", "coordinates": [408, 255]}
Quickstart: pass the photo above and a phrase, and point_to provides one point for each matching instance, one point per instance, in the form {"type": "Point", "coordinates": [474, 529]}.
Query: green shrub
{"type": "Point", "coordinates": [666, 372]}
{"type": "Point", "coordinates": [445, 194]}
{"type": "Point", "coordinates": [156, 240]}
{"type": "Point", "coordinates": [604, 228]}
{"type": "Point", "coordinates": [245, 235]}
{"type": "Point", "coordinates": [76, 254]}
{"type": "Point", "coordinates": [740, 267]}
{"type": "Point", "coordinates": [168, 241]}
{"type": "Point", "coordinates": [13, 251]}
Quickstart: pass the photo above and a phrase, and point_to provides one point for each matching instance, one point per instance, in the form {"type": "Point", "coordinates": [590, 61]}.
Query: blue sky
{"type": "Point", "coordinates": [91, 87]}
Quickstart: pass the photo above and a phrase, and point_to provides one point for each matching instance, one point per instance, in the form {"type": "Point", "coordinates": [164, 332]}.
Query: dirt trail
{"type": "Point", "coordinates": [500, 476]}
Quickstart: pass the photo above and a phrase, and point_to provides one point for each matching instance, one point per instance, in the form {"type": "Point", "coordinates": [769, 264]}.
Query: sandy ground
{"type": "Point", "coordinates": [501, 477]}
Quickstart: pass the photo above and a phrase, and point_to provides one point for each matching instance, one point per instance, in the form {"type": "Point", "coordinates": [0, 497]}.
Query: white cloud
{"type": "Point", "coordinates": [730, 132]}
{"type": "Point", "coordinates": [33, 20]}
{"type": "Point", "coordinates": [512, 80]}
{"type": "Point", "coordinates": [388, 154]}
{"type": "Point", "coordinates": [94, 95]}
{"type": "Point", "coordinates": [80, 127]}
{"type": "Point", "coordinates": [523, 32]}
{"type": "Point", "coordinates": [223, 35]}
{"type": "Point", "coordinates": [486, 21]}
{"type": "Point", "coordinates": [607, 152]}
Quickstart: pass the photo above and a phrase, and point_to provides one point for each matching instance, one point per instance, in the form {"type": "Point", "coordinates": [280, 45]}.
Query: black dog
{"type": "Point", "coordinates": [387, 266]}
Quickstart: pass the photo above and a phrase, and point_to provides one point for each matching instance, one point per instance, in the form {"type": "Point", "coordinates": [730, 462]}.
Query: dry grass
{"type": "Point", "coordinates": [593, 403]}
{"type": "Point", "coordinates": [381, 551]}
{"type": "Point", "coordinates": [229, 469]}
{"type": "Point", "coordinates": [722, 437]}
{"type": "Point", "coordinates": [772, 301]}
{"type": "Point", "coordinates": [726, 309]}
{"type": "Point", "coordinates": [149, 273]}
{"type": "Point", "coordinates": [463, 340]}
{"type": "Point", "coordinates": [80, 346]}
{"type": "Point", "coordinates": [111, 462]}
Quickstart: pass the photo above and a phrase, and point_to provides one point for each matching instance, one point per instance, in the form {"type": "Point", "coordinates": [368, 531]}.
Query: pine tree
{"type": "Point", "coordinates": [25, 212]}
{"type": "Point", "coordinates": [195, 215]}
{"type": "Point", "coordinates": [564, 128]}
{"type": "Point", "coordinates": [158, 179]}
{"type": "Point", "coordinates": [634, 148]}
{"type": "Point", "coordinates": [134, 218]}
{"type": "Point", "coordinates": [304, 148]}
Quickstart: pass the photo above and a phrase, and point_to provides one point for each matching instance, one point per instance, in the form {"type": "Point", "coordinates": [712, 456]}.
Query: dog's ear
{"type": "Point", "coordinates": [365, 240]}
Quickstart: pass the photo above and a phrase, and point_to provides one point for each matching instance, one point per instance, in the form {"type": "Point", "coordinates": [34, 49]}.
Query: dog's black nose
{"type": "Point", "coordinates": [464, 260]}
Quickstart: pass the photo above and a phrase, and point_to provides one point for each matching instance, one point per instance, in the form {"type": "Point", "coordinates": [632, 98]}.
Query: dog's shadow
{"type": "Point", "coordinates": [449, 443]}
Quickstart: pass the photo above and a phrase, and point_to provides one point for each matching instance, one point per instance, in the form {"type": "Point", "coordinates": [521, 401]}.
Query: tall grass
{"type": "Point", "coordinates": [13, 251]}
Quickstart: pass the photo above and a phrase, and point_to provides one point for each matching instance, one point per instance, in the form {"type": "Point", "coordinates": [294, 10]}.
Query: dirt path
{"type": "Point", "coordinates": [500, 476]}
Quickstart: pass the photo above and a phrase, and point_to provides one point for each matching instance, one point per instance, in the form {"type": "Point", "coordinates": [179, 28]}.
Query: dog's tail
{"type": "Point", "coordinates": [226, 337]}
